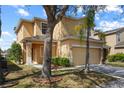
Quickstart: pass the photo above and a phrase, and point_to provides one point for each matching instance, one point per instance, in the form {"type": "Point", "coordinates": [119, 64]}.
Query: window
{"type": "Point", "coordinates": [44, 27]}
{"type": "Point", "coordinates": [118, 37]}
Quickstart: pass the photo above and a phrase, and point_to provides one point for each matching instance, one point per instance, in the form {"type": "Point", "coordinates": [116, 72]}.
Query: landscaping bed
{"type": "Point", "coordinates": [63, 79]}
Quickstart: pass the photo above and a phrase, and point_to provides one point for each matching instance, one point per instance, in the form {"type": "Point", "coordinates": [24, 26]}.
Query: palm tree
{"type": "Point", "coordinates": [101, 35]}
{"type": "Point", "coordinates": [89, 11]}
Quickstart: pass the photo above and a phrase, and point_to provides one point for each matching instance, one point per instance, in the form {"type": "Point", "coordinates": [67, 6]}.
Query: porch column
{"type": "Point", "coordinates": [28, 53]}
{"type": "Point", "coordinates": [101, 60]}
{"type": "Point", "coordinates": [71, 57]}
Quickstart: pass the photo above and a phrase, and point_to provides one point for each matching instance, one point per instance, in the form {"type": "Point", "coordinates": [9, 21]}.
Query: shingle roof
{"type": "Point", "coordinates": [114, 31]}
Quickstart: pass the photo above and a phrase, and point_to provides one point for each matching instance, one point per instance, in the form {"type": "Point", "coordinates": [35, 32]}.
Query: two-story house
{"type": "Point", "coordinates": [66, 41]}
{"type": "Point", "coordinates": [115, 39]}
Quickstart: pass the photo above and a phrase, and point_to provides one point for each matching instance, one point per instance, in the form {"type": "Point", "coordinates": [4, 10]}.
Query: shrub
{"type": "Point", "coordinates": [15, 53]}
{"type": "Point", "coordinates": [116, 57]}
{"type": "Point", "coordinates": [61, 61]}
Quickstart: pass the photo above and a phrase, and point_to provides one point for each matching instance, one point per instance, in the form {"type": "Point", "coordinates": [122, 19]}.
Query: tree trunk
{"type": "Point", "coordinates": [2, 78]}
{"type": "Point", "coordinates": [46, 69]}
{"type": "Point", "coordinates": [87, 51]}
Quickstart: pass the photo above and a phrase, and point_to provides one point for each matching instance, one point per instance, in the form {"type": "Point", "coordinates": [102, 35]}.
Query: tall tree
{"type": "Point", "coordinates": [90, 24]}
{"type": "Point", "coordinates": [0, 22]}
{"type": "Point", "coordinates": [2, 78]}
{"type": "Point", "coordinates": [15, 52]}
{"type": "Point", "coordinates": [55, 14]}
{"type": "Point", "coordinates": [89, 11]}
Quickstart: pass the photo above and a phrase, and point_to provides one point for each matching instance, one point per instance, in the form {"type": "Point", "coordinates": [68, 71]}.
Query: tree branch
{"type": "Point", "coordinates": [61, 14]}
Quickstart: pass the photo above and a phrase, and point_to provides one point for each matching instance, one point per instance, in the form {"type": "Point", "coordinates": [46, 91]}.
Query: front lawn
{"type": "Point", "coordinates": [116, 64]}
{"type": "Point", "coordinates": [24, 75]}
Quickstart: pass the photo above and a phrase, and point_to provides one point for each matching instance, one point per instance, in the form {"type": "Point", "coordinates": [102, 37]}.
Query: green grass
{"type": "Point", "coordinates": [116, 64]}
{"type": "Point", "coordinates": [70, 79]}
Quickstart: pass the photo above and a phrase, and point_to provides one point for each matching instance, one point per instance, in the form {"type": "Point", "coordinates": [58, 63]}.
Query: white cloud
{"type": "Point", "coordinates": [44, 13]}
{"type": "Point", "coordinates": [97, 16]}
{"type": "Point", "coordinates": [5, 33]}
{"type": "Point", "coordinates": [122, 19]}
{"type": "Point", "coordinates": [114, 8]}
{"type": "Point", "coordinates": [6, 39]}
{"type": "Point", "coordinates": [108, 25]}
{"type": "Point", "coordinates": [14, 39]}
{"type": "Point", "coordinates": [79, 10]}
{"type": "Point", "coordinates": [1, 40]}
{"type": "Point", "coordinates": [23, 12]}
{"type": "Point", "coordinates": [17, 6]}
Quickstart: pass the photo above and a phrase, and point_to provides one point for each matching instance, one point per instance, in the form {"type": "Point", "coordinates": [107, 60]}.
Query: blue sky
{"type": "Point", "coordinates": [110, 19]}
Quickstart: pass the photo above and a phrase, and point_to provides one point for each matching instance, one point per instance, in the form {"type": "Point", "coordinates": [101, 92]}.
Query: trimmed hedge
{"type": "Point", "coordinates": [61, 61]}
{"type": "Point", "coordinates": [116, 57]}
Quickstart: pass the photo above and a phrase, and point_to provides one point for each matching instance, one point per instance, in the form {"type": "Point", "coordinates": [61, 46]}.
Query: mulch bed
{"type": "Point", "coordinates": [9, 84]}
{"type": "Point", "coordinates": [46, 80]}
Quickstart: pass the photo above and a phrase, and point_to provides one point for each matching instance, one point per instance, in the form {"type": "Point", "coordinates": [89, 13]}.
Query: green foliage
{"type": "Point", "coordinates": [90, 17]}
{"type": "Point", "coordinates": [88, 22]}
{"type": "Point", "coordinates": [116, 57]}
{"type": "Point", "coordinates": [101, 35]}
{"type": "Point", "coordinates": [15, 52]}
{"type": "Point", "coordinates": [61, 61]}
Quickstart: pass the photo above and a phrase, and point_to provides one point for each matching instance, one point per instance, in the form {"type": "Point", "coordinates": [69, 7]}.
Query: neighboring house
{"type": "Point", "coordinates": [115, 39]}
{"type": "Point", "coordinates": [66, 41]}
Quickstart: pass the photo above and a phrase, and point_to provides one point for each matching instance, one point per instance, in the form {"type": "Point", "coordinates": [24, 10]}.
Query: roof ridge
{"type": "Point", "coordinates": [114, 30]}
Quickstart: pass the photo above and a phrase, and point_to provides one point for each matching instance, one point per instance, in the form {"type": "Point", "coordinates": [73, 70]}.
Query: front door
{"type": "Point", "coordinates": [37, 54]}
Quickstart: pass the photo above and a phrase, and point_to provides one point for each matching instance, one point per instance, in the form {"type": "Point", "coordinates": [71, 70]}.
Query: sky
{"type": "Point", "coordinates": [111, 18]}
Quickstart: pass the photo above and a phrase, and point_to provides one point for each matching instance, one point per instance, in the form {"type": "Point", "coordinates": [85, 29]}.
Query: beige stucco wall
{"type": "Point", "coordinates": [76, 51]}
{"type": "Point", "coordinates": [19, 35]}
{"type": "Point", "coordinates": [66, 27]}
{"type": "Point", "coordinates": [69, 25]}
{"type": "Point", "coordinates": [26, 30]}
{"type": "Point", "coordinates": [57, 33]}
{"type": "Point", "coordinates": [111, 41]}
{"type": "Point", "coordinates": [37, 27]}
{"type": "Point", "coordinates": [119, 50]}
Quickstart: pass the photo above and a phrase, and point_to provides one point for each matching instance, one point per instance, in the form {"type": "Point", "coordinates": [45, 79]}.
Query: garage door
{"type": "Point", "coordinates": [79, 55]}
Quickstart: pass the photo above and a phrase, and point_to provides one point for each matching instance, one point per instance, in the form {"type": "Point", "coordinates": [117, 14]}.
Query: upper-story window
{"type": "Point", "coordinates": [118, 37]}
{"type": "Point", "coordinates": [44, 27]}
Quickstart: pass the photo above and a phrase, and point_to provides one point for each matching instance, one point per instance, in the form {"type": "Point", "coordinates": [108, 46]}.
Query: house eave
{"type": "Point", "coordinates": [77, 38]}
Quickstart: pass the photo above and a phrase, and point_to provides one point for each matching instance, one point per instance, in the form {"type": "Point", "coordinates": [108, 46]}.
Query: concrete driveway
{"type": "Point", "coordinates": [115, 71]}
